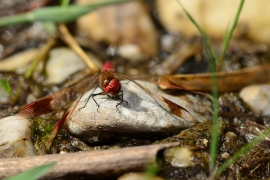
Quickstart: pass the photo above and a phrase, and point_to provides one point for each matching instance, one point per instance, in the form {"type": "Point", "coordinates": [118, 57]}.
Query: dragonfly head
{"type": "Point", "coordinates": [112, 86]}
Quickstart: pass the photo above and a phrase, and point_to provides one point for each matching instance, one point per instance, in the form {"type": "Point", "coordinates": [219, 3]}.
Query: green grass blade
{"type": "Point", "coordinates": [64, 3]}
{"type": "Point", "coordinates": [215, 122]}
{"type": "Point", "coordinates": [203, 34]}
{"type": "Point", "coordinates": [10, 20]}
{"type": "Point", "coordinates": [228, 36]}
{"type": "Point", "coordinates": [52, 14]}
{"type": "Point", "coordinates": [56, 14]}
{"type": "Point", "coordinates": [5, 84]}
{"type": "Point", "coordinates": [8, 86]}
{"type": "Point", "coordinates": [50, 27]}
{"type": "Point", "coordinates": [34, 173]}
{"type": "Point", "coordinates": [152, 170]}
{"type": "Point", "coordinates": [212, 59]}
{"type": "Point", "coordinates": [243, 151]}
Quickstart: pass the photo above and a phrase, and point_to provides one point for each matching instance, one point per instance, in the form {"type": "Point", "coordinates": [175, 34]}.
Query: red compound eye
{"type": "Point", "coordinates": [112, 87]}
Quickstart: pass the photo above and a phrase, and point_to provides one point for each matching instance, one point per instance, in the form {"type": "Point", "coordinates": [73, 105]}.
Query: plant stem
{"type": "Point", "coordinates": [67, 37]}
{"type": "Point", "coordinates": [203, 34]}
{"type": "Point", "coordinates": [215, 122]}
{"type": "Point", "coordinates": [228, 36]}
{"type": "Point", "coordinates": [213, 60]}
{"type": "Point", "coordinates": [243, 151]}
{"type": "Point", "coordinates": [43, 52]}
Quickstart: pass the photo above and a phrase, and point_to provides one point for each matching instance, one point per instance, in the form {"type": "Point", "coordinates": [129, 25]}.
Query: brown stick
{"type": "Point", "coordinates": [94, 165]}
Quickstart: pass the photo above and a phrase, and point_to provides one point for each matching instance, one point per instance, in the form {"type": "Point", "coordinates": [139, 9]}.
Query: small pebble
{"type": "Point", "coordinates": [179, 156]}
{"type": "Point", "coordinates": [257, 98]}
{"type": "Point", "coordinates": [62, 63]}
{"type": "Point", "coordinates": [15, 137]}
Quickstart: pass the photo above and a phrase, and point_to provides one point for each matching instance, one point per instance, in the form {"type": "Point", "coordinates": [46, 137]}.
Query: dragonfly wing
{"type": "Point", "coordinates": [56, 100]}
{"type": "Point", "coordinates": [60, 124]}
{"type": "Point", "coordinates": [162, 82]}
{"type": "Point", "coordinates": [37, 108]}
{"type": "Point", "coordinates": [164, 102]}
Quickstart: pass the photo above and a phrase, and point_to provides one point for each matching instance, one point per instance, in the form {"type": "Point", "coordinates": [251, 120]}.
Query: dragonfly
{"type": "Point", "coordinates": [110, 85]}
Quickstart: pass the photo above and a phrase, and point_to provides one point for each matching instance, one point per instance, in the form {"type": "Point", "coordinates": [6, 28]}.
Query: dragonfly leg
{"type": "Point", "coordinates": [120, 98]}
{"type": "Point", "coordinates": [93, 95]}
{"type": "Point", "coordinates": [88, 98]}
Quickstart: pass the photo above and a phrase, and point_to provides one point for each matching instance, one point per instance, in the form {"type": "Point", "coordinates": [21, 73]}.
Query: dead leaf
{"type": "Point", "coordinates": [227, 82]}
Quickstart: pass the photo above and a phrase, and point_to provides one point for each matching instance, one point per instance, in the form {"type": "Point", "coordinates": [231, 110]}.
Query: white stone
{"type": "Point", "coordinates": [15, 137]}
{"type": "Point", "coordinates": [130, 51]}
{"type": "Point", "coordinates": [225, 155]}
{"type": "Point", "coordinates": [141, 116]}
{"type": "Point", "coordinates": [167, 41]}
{"type": "Point", "coordinates": [62, 63]}
{"type": "Point", "coordinates": [179, 156]}
{"type": "Point", "coordinates": [257, 97]}
{"type": "Point", "coordinates": [138, 176]}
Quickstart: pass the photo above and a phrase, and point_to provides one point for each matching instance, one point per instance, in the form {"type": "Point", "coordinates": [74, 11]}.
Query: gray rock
{"type": "Point", "coordinates": [257, 97]}
{"type": "Point", "coordinates": [141, 116]}
{"type": "Point", "coordinates": [15, 137]}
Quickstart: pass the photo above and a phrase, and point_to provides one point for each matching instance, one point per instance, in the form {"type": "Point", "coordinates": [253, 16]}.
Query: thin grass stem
{"type": "Point", "coordinates": [228, 36]}
{"type": "Point", "coordinates": [243, 151]}
{"type": "Point", "coordinates": [203, 34]}
{"type": "Point", "coordinates": [212, 59]}
{"type": "Point", "coordinates": [215, 123]}
{"type": "Point", "coordinates": [43, 52]}
{"type": "Point", "coordinates": [34, 173]}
